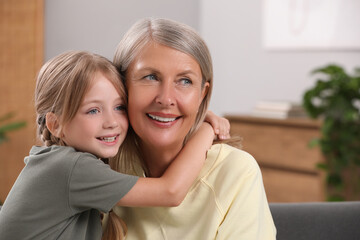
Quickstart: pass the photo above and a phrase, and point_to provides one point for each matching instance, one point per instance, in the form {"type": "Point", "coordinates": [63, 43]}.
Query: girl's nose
{"type": "Point", "coordinates": [110, 121]}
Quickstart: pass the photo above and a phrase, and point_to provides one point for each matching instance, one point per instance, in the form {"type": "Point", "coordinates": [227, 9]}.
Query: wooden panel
{"type": "Point", "coordinates": [285, 186]}
{"type": "Point", "coordinates": [21, 56]}
{"type": "Point", "coordinates": [282, 146]}
{"type": "Point", "coordinates": [280, 143]}
{"type": "Point", "coordinates": [281, 149]}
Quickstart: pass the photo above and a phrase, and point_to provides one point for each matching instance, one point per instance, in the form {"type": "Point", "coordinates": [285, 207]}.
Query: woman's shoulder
{"type": "Point", "coordinates": [227, 158]}
{"type": "Point", "coordinates": [224, 152]}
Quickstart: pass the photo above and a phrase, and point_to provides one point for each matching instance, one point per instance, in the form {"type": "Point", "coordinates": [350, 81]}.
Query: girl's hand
{"type": "Point", "coordinates": [220, 125]}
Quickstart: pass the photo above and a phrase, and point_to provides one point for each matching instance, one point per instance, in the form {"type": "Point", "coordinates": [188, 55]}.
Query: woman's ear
{"type": "Point", "coordinates": [205, 90]}
{"type": "Point", "coordinates": [53, 124]}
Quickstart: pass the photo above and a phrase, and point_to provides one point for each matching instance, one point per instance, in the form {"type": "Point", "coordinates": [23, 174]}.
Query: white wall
{"type": "Point", "coordinates": [98, 26]}
{"type": "Point", "coordinates": [244, 72]}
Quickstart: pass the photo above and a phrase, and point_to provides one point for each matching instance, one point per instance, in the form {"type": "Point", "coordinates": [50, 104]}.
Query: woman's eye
{"type": "Point", "coordinates": [93, 111]}
{"type": "Point", "coordinates": [151, 77]}
{"type": "Point", "coordinates": [185, 81]}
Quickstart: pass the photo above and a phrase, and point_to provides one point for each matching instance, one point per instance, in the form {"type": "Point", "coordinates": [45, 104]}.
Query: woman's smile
{"type": "Point", "coordinates": [163, 119]}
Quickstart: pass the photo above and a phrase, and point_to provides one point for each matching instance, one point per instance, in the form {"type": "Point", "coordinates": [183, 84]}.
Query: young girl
{"type": "Point", "coordinates": [81, 115]}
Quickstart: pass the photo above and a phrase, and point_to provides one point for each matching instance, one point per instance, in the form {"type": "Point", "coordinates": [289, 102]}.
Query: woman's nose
{"type": "Point", "coordinates": [166, 95]}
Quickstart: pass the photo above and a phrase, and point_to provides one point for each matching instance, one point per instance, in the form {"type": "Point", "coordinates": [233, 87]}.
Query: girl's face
{"type": "Point", "coordinates": [100, 125]}
{"type": "Point", "coordinates": [164, 94]}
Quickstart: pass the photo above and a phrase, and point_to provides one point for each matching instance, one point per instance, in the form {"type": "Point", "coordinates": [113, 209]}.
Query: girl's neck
{"type": "Point", "coordinates": [157, 159]}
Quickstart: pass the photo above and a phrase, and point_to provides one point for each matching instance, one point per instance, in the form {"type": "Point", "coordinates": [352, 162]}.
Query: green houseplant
{"type": "Point", "coordinates": [335, 98]}
{"type": "Point", "coordinates": [7, 127]}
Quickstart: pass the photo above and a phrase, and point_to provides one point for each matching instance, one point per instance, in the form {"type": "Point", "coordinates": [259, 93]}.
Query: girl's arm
{"type": "Point", "coordinates": [171, 188]}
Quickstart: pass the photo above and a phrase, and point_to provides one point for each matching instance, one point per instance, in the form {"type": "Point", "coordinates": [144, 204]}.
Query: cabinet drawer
{"type": "Point", "coordinates": [287, 164]}
{"type": "Point", "coordinates": [280, 145]}
{"type": "Point", "coordinates": [283, 186]}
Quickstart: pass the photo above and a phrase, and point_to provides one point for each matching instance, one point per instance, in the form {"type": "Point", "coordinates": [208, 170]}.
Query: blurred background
{"type": "Point", "coordinates": [261, 49]}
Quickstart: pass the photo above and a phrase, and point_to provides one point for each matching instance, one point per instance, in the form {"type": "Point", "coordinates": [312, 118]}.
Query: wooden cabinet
{"type": "Point", "coordinates": [21, 56]}
{"type": "Point", "coordinates": [281, 148]}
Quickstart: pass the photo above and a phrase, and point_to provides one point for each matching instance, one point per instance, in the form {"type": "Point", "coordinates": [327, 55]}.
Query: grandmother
{"type": "Point", "coordinates": [168, 74]}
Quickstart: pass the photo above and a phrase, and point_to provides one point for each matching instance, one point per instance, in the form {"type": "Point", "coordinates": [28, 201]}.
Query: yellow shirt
{"type": "Point", "coordinates": [227, 201]}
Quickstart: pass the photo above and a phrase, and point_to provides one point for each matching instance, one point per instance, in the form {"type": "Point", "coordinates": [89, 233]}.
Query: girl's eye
{"type": "Point", "coordinates": [120, 108]}
{"type": "Point", "coordinates": [151, 77]}
{"type": "Point", "coordinates": [93, 111]}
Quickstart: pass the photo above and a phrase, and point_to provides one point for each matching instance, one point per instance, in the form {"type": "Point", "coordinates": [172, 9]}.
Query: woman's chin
{"type": "Point", "coordinates": [167, 142]}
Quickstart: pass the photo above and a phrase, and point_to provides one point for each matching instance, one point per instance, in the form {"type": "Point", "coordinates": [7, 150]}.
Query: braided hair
{"type": "Point", "coordinates": [45, 135]}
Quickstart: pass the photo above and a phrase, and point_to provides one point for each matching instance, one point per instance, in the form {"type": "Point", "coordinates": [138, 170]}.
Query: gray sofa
{"type": "Point", "coordinates": [317, 221]}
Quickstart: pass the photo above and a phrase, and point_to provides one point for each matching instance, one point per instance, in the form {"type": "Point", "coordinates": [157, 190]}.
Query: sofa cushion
{"type": "Point", "coordinates": [317, 221]}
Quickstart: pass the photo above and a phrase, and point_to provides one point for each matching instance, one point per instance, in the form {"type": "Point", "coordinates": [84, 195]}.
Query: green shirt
{"type": "Point", "coordinates": [58, 195]}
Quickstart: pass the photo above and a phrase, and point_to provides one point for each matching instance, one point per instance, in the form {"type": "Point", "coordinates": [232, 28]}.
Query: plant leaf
{"type": "Point", "coordinates": [322, 166]}
{"type": "Point", "coordinates": [7, 116]}
{"type": "Point", "coordinates": [314, 142]}
{"type": "Point", "coordinates": [12, 126]}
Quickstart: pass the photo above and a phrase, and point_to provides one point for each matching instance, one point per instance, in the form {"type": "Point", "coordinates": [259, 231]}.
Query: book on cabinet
{"type": "Point", "coordinates": [278, 110]}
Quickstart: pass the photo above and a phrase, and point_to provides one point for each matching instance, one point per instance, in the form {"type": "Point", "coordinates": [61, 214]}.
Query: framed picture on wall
{"type": "Point", "coordinates": [311, 24]}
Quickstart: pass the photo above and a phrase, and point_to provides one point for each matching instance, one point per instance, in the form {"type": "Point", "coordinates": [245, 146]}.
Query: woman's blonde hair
{"type": "Point", "coordinates": [60, 88]}
{"type": "Point", "coordinates": [172, 34]}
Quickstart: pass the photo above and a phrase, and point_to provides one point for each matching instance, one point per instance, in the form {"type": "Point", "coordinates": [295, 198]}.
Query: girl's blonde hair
{"type": "Point", "coordinates": [172, 34]}
{"type": "Point", "coordinates": [62, 83]}
{"type": "Point", "coordinates": [60, 88]}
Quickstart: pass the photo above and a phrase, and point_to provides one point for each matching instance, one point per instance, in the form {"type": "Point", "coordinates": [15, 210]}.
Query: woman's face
{"type": "Point", "coordinates": [164, 87]}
